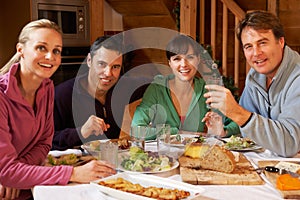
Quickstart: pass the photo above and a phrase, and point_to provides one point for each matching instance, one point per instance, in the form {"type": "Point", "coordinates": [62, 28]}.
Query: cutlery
{"type": "Point", "coordinates": [280, 171]}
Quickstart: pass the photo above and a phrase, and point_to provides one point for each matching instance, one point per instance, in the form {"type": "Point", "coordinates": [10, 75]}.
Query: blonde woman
{"type": "Point", "coordinates": [26, 115]}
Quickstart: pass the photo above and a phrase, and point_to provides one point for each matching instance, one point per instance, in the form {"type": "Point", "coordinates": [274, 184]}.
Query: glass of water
{"type": "Point", "coordinates": [138, 135]}
{"type": "Point", "coordinates": [163, 132]}
{"type": "Point", "coordinates": [214, 80]}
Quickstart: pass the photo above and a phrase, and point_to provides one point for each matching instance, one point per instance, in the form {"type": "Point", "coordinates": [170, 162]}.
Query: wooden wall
{"type": "Point", "coordinates": [14, 14]}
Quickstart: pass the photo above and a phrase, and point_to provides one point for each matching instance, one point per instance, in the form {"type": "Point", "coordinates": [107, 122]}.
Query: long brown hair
{"type": "Point", "coordinates": [24, 37]}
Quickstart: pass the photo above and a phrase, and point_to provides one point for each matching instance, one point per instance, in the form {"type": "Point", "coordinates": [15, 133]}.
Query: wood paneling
{"type": "Point", "coordinates": [138, 7]}
{"type": "Point", "coordinates": [130, 22]}
{"type": "Point", "coordinates": [96, 19]}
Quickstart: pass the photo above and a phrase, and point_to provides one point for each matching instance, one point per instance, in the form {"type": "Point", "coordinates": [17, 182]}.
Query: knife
{"type": "Point", "coordinates": [273, 169]}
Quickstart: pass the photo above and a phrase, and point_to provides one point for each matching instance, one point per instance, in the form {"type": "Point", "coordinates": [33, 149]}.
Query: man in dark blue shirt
{"type": "Point", "coordinates": [89, 106]}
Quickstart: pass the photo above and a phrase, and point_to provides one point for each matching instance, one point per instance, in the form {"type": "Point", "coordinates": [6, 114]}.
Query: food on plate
{"type": "Point", "coordinates": [293, 167]}
{"type": "Point", "coordinates": [182, 139]}
{"type": "Point", "coordinates": [151, 191]}
{"type": "Point", "coordinates": [205, 156]}
{"type": "Point", "coordinates": [287, 182]}
{"type": "Point", "coordinates": [69, 159]}
{"type": "Point", "coordinates": [236, 143]}
{"type": "Point", "coordinates": [123, 143]}
{"type": "Point", "coordinates": [95, 145]}
{"type": "Point", "coordinates": [145, 161]}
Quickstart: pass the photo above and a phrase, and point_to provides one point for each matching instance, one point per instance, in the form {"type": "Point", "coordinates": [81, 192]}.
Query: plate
{"type": "Point", "coordinates": [93, 147]}
{"type": "Point", "coordinates": [254, 147]}
{"type": "Point", "coordinates": [146, 180]}
{"type": "Point", "coordinates": [185, 139]}
{"type": "Point", "coordinates": [125, 155]}
{"type": "Point", "coordinates": [175, 164]}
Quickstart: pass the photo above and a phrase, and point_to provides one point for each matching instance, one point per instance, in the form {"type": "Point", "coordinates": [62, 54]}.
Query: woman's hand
{"type": "Point", "coordinates": [210, 120]}
{"type": "Point", "coordinates": [94, 126]}
{"type": "Point", "coordinates": [92, 171]}
{"type": "Point", "coordinates": [7, 193]}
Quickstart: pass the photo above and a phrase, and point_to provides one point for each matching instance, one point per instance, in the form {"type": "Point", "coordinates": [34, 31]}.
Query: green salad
{"type": "Point", "coordinates": [236, 142]}
{"type": "Point", "coordinates": [145, 161]}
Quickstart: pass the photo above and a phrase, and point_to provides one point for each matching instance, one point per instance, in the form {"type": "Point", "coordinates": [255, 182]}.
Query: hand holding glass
{"type": "Point", "coordinates": [214, 80]}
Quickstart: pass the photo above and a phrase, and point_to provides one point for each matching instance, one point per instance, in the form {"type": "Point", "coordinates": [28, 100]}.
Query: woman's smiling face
{"type": "Point", "coordinates": [184, 66]}
{"type": "Point", "coordinates": [41, 54]}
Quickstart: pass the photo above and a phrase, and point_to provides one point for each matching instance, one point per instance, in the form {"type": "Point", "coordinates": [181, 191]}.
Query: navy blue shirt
{"type": "Point", "coordinates": [74, 105]}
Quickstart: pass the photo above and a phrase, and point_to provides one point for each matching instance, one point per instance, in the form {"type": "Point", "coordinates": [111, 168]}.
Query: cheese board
{"type": "Point", "coordinates": [243, 174]}
{"type": "Point", "coordinates": [272, 177]}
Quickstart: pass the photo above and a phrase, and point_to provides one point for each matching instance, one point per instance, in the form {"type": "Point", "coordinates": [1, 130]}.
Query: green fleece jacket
{"type": "Point", "coordinates": [157, 108]}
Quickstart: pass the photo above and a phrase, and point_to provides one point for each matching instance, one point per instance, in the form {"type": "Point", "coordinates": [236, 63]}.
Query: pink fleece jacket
{"type": "Point", "coordinates": [26, 136]}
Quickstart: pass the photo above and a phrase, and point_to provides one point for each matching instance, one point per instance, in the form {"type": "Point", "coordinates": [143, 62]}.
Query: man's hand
{"type": "Point", "coordinates": [219, 97]}
{"type": "Point", "coordinates": [94, 126]}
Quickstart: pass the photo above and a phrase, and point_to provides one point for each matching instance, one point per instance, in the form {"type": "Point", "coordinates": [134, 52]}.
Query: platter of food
{"type": "Point", "coordinates": [144, 187]}
{"type": "Point", "coordinates": [93, 147]}
{"type": "Point", "coordinates": [146, 162]}
{"type": "Point", "coordinates": [180, 140]}
{"type": "Point", "coordinates": [67, 159]}
{"type": "Point", "coordinates": [235, 143]}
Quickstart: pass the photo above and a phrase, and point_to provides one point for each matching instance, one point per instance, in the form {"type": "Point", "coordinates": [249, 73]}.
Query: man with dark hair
{"type": "Point", "coordinates": [268, 108]}
{"type": "Point", "coordinates": [83, 105]}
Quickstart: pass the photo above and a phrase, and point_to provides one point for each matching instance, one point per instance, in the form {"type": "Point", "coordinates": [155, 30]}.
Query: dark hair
{"type": "Point", "coordinates": [109, 42]}
{"type": "Point", "coordinates": [261, 20]}
{"type": "Point", "coordinates": [180, 45]}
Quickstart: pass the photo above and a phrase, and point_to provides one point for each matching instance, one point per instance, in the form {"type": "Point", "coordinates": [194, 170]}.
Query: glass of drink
{"type": "Point", "coordinates": [163, 132]}
{"type": "Point", "coordinates": [215, 127]}
{"type": "Point", "coordinates": [109, 152]}
{"type": "Point", "coordinates": [138, 134]}
{"type": "Point", "coordinates": [214, 80]}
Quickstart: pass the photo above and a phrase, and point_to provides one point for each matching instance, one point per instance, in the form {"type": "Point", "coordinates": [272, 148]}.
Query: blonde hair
{"type": "Point", "coordinates": [24, 37]}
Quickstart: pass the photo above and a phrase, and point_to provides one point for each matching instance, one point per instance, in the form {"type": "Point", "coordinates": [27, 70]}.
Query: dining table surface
{"type": "Point", "coordinates": [265, 191]}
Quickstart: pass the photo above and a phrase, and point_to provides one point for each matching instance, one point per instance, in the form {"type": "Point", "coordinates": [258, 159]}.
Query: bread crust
{"type": "Point", "coordinates": [215, 158]}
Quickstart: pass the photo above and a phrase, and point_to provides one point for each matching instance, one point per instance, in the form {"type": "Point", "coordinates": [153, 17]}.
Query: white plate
{"type": "Point", "coordinates": [183, 138]}
{"type": "Point", "coordinates": [175, 164]}
{"type": "Point", "coordinates": [255, 147]}
{"type": "Point", "coordinates": [146, 180]}
{"type": "Point", "coordinates": [95, 149]}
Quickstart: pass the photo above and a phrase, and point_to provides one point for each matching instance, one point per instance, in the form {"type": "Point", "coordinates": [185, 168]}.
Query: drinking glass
{"type": "Point", "coordinates": [214, 80]}
{"type": "Point", "coordinates": [163, 132]}
{"type": "Point", "coordinates": [138, 134]}
{"type": "Point", "coordinates": [215, 128]}
{"type": "Point", "coordinates": [109, 152]}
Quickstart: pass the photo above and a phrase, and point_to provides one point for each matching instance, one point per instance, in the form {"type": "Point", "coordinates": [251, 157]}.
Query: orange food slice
{"type": "Point", "coordinates": [287, 182]}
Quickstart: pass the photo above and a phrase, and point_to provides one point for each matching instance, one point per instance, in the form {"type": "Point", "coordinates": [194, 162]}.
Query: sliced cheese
{"type": "Point", "coordinates": [287, 182]}
{"type": "Point", "coordinates": [293, 167]}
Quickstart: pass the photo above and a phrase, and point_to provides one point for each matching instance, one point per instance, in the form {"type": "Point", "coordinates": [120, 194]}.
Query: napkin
{"type": "Point", "coordinates": [56, 153]}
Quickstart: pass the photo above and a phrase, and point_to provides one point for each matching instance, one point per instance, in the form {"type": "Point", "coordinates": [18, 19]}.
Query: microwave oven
{"type": "Point", "coordinates": [71, 15]}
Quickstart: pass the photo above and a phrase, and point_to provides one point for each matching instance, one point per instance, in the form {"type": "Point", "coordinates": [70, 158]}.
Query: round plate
{"type": "Point", "coordinates": [255, 147]}
{"type": "Point", "coordinates": [184, 137]}
{"type": "Point", "coordinates": [93, 147]}
{"type": "Point", "coordinates": [175, 164]}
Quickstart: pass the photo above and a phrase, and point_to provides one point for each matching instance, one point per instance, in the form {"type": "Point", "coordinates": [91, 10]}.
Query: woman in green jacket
{"type": "Point", "coordinates": [177, 99]}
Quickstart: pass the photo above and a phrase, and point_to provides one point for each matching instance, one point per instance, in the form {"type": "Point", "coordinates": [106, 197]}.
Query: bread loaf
{"type": "Point", "coordinates": [204, 156]}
